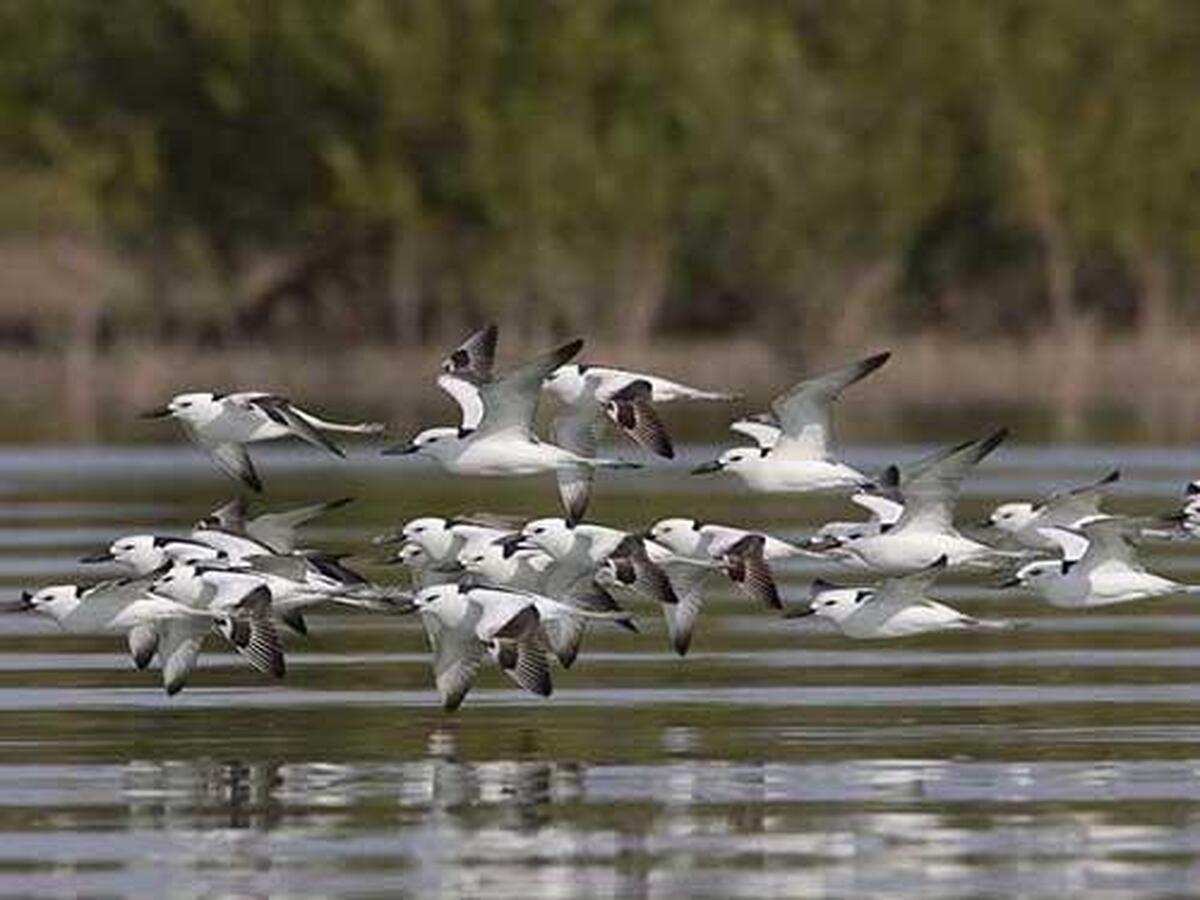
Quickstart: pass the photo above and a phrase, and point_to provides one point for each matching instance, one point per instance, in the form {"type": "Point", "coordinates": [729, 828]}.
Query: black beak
{"type": "Point", "coordinates": [400, 450]}
{"type": "Point", "coordinates": [1010, 583]}
{"type": "Point", "coordinates": [708, 468]}
{"type": "Point", "coordinates": [986, 523]}
{"type": "Point", "coordinates": [24, 603]}
{"type": "Point", "coordinates": [97, 558]}
{"type": "Point", "coordinates": [161, 413]}
{"type": "Point", "coordinates": [799, 613]}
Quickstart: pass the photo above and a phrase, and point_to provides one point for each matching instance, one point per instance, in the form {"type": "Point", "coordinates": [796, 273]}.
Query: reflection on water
{"type": "Point", "coordinates": [778, 760]}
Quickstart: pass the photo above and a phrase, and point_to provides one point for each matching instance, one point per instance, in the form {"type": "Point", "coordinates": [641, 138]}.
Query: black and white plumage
{"type": "Point", "coordinates": [223, 424]}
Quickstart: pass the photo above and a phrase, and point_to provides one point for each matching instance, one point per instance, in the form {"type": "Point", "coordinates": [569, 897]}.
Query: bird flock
{"type": "Point", "coordinates": [523, 594]}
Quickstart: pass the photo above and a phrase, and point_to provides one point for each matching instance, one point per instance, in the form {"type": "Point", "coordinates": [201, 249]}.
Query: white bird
{"type": "Point", "coordinates": [925, 530]}
{"type": "Point", "coordinates": [127, 605]}
{"type": "Point", "coordinates": [885, 512]}
{"type": "Point", "coordinates": [592, 393]}
{"type": "Point", "coordinates": [445, 538]}
{"type": "Point", "coordinates": [743, 555]}
{"type": "Point", "coordinates": [1108, 572]}
{"type": "Point", "coordinates": [223, 424]}
{"type": "Point", "coordinates": [141, 554]}
{"type": "Point", "coordinates": [423, 570]}
{"type": "Point", "coordinates": [466, 624]}
{"type": "Point", "coordinates": [497, 436]}
{"type": "Point", "coordinates": [277, 530]}
{"type": "Point", "coordinates": [800, 458]}
{"type": "Point", "coordinates": [898, 607]}
{"type": "Point", "coordinates": [511, 565]}
{"type": "Point", "coordinates": [1025, 523]}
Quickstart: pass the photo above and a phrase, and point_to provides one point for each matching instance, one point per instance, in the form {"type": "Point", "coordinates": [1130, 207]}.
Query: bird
{"type": "Point", "coordinates": [885, 513]}
{"type": "Point", "coordinates": [799, 458]}
{"type": "Point", "coordinates": [1108, 572]}
{"type": "Point", "coordinates": [276, 530]}
{"type": "Point", "coordinates": [591, 393]}
{"type": "Point", "coordinates": [131, 606]}
{"type": "Point", "coordinates": [465, 625]}
{"type": "Point", "coordinates": [496, 436]}
{"type": "Point", "coordinates": [223, 424]}
{"type": "Point", "coordinates": [1024, 523]}
{"type": "Point", "coordinates": [898, 607]}
{"type": "Point", "coordinates": [744, 555]}
{"type": "Point", "coordinates": [925, 531]}
{"type": "Point", "coordinates": [141, 554]}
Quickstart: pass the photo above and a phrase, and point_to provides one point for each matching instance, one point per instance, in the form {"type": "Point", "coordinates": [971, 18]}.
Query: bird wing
{"type": "Point", "coordinates": [804, 411]}
{"type": "Point", "coordinates": [929, 488]}
{"type": "Point", "coordinates": [896, 594]}
{"type": "Point", "coordinates": [474, 359]}
{"type": "Point", "coordinates": [760, 428]}
{"type": "Point", "coordinates": [1065, 508]}
{"type": "Point", "coordinates": [179, 644]}
{"type": "Point", "coordinates": [631, 410]}
{"type": "Point", "coordinates": [457, 656]}
{"type": "Point", "coordinates": [748, 569]}
{"type": "Point", "coordinates": [511, 402]}
{"type": "Point", "coordinates": [278, 530]}
{"type": "Point", "coordinates": [281, 411]}
{"type": "Point", "coordinates": [231, 516]}
{"type": "Point", "coordinates": [1109, 540]}
{"type": "Point", "coordinates": [577, 430]}
{"type": "Point", "coordinates": [232, 459]}
{"type": "Point", "coordinates": [143, 644]}
{"type": "Point", "coordinates": [467, 395]}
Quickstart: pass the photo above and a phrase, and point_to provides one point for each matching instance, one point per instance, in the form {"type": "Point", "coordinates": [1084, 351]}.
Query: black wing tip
{"type": "Point", "coordinates": [1111, 477]}
{"type": "Point", "coordinates": [875, 361]}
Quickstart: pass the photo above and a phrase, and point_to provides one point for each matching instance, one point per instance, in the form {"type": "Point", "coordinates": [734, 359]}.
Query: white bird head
{"type": "Point", "coordinates": [414, 556]}
{"type": "Point", "coordinates": [554, 536]}
{"type": "Point", "coordinates": [1037, 574]}
{"type": "Point", "coordinates": [195, 408]}
{"type": "Point", "coordinates": [834, 603]}
{"type": "Point", "coordinates": [678, 534]}
{"type": "Point", "coordinates": [1011, 516]}
{"type": "Point", "coordinates": [143, 553]}
{"type": "Point", "coordinates": [433, 595]}
{"type": "Point", "coordinates": [733, 460]}
{"type": "Point", "coordinates": [56, 601]}
{"type": "Point", "coordinates": [439, 443]}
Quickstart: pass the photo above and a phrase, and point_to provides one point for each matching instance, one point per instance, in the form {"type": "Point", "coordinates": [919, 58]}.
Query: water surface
{"type": "Point", "coordinates": [778, 759]}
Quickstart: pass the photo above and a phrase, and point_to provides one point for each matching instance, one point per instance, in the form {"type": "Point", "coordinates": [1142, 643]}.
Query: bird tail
{"type": "Point", "coordinates": [344, 428]}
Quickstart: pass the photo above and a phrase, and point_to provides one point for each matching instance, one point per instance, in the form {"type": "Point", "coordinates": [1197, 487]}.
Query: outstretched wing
{"type": "Point", "coordinates": [511, 402]}
{"type": "Point", "coordinates": [278, 530]}
{"type": "Point", "coordinates": [748, 569]}
{"type": "Point", "coordinates": [232, 459]}
{"type": "Point", "coordinates": [1068, 507]}
{"type": "Point", "coordinates": [280, 410]}
{"type": "Point", "coordinates": [896, 594]}
{"type": "Point", "coordinates": [179, 644]}
{"type": "Point", "coordinates": [631, 410]}
{"type": "Point", "coordinates": [804, 411]}
{"type": "Point", "coordinates": [457, 656]}
{"type": "Point", "coordinates": [1110, 540]}
{"type": "Point", "coordinates": [474, 358]}
{"type": "Point", "coordinates": [929, 488]}
{"type": "Point", "coordinates": [578, 431]}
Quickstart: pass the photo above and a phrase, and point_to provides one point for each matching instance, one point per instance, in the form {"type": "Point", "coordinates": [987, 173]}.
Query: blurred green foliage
{"type": "Point", "coordinates": [381, 169]}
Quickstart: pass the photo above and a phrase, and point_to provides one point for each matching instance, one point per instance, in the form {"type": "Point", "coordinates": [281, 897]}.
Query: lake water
{"type": "Point", "coordinates": [778, 759]}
